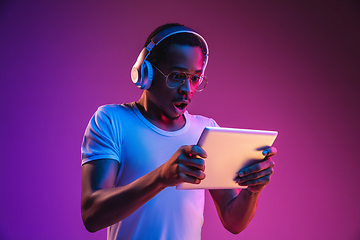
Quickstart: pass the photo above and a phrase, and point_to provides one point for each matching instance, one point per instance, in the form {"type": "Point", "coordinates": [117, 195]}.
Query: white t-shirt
{"type": "Point", "coordinates": [121, 133]}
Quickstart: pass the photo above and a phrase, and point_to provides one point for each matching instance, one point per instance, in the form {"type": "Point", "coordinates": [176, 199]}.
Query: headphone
{"type": "Point", "coordinates": [142, 71]}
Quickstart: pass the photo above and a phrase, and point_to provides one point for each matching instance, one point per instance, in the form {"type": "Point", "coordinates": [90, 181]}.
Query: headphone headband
{"type": "Point", "coordinates": [141, 73]}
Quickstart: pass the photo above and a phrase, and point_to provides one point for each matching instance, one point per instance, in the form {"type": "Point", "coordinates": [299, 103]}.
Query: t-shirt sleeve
{"type": "Point", "coordinates": [213, 123]}
{"type": "Point", "coordinates": [100, 140]}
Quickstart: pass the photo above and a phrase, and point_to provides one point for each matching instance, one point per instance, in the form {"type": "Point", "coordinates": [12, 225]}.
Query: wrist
{"type": "Point", "coordinates": [250, 192]}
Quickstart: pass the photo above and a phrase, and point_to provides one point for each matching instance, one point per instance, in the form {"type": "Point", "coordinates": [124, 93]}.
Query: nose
{"type": "Point", "coordinates": [186, 86]}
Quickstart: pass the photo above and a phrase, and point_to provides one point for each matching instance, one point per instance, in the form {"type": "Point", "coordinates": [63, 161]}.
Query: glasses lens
{"type": "Point", "coordinates": [201, 84]}
{"type": "Point", "coordinates": [176, 78]}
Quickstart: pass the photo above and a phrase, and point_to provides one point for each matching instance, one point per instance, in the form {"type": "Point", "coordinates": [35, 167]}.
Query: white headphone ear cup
{"type": "Point", "coordinates": [147, 73]}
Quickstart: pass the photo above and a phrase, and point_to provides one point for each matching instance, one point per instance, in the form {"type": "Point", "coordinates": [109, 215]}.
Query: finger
{"type": "Point", "coordinates": [191, 161]}
{"type": "Point", "coordinates": [257, 167]}
{"type": "Point", "coordinates": [194, 151]}
{"type": "Point", "coordinates": [192, 172]}
{"type": "Point", "coordinates": [260, 181]}
{"type": "Point", "coordinates": [192, 156]}
{"type": "Point", "coordinates": [190, 179]}
{"type": "Point", "coordinates": [268, 152]}
{"type": "Point", "coordinates": [254, 176]}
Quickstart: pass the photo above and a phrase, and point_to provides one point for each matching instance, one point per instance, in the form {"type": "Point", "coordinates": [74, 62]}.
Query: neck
{"type": "Point", "coordinates": [157, 117]}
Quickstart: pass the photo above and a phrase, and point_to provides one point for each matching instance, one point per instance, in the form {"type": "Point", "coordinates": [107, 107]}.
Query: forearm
{"type": "Point", "coordinates": [240, 211]}
{"type": "Point", "coordinates": [105, 207]}
{"type": "Point", "coordinates": [237, 213]}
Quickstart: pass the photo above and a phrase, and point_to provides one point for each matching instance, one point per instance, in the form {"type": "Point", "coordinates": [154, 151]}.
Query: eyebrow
{"type": "Point", "coordinates": [183, 69]}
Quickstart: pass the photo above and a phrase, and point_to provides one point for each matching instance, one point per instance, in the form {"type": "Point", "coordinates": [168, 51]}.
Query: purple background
{"type": "Point", "coordinates": [290, 66]}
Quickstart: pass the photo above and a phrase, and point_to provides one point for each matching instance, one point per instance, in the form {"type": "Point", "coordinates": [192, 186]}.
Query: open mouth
{"type": "Point", "coordinates": [180, 106]}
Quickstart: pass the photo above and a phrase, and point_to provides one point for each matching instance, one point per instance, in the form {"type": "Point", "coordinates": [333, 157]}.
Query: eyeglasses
{"type": "Point", "coordinates": [177, 78]}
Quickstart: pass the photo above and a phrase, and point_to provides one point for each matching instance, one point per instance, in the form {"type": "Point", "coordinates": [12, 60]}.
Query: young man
{"type": "Point", "coordinates": [135, 154]}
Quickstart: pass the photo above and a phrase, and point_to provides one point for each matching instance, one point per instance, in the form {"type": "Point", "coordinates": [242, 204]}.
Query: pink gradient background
{"type": "Point", "coordinates": [290, 66]}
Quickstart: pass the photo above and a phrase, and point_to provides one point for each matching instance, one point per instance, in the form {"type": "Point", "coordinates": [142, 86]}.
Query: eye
{"type": "Point", "coordinates": [195, 78]}
{"type": "Point", "coordinates": [177, 76]}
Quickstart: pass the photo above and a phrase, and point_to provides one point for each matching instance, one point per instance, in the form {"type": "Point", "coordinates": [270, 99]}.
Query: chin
{"type": "Point", "coordinates": [171, 115]}
{"type": "Point", "coordinates": [177, 117]}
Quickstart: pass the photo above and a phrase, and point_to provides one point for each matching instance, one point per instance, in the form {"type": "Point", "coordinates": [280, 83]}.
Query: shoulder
{"type": "Point", "coordinates": [111, 115]}
{"type": "Point", "coordinates": [199, 119]}
{"type": "Point", "coordinates": [114, 110]}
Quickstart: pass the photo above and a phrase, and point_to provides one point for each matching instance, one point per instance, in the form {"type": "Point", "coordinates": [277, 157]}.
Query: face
{"type": "Point", "coordinates": [171, 103]}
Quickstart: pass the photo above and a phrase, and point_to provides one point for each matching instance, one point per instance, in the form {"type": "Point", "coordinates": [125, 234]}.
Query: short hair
{"type": "Point", "coordinates": [159, 52]}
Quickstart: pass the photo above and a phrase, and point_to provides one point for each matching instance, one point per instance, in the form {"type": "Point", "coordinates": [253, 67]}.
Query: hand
{"type": "Point", "coordinates": [185, 165]}
{"type": "Point", "coordinates": [258, 175]}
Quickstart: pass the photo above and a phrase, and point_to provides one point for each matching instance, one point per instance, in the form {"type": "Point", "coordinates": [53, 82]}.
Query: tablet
{"type": "Point", "coordinates": [229, 150]}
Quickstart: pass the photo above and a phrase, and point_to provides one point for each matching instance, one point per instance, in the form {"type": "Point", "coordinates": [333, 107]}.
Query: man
{"type": "Point", "coordinates": [135, 154]}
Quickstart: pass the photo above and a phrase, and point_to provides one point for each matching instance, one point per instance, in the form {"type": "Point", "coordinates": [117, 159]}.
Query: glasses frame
{"type": "Point", "coordinates": [204, 78]}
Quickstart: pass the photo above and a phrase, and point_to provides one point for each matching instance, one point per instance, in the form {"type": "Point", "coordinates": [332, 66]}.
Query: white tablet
{"type": "Point", "coordinates": [229, 150]}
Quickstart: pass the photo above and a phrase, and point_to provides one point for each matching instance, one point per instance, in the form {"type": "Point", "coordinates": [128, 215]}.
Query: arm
{"type": "Point", "coordinates": [236, 209]}
{"type": "Point", "coordinates": [102, 204]}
